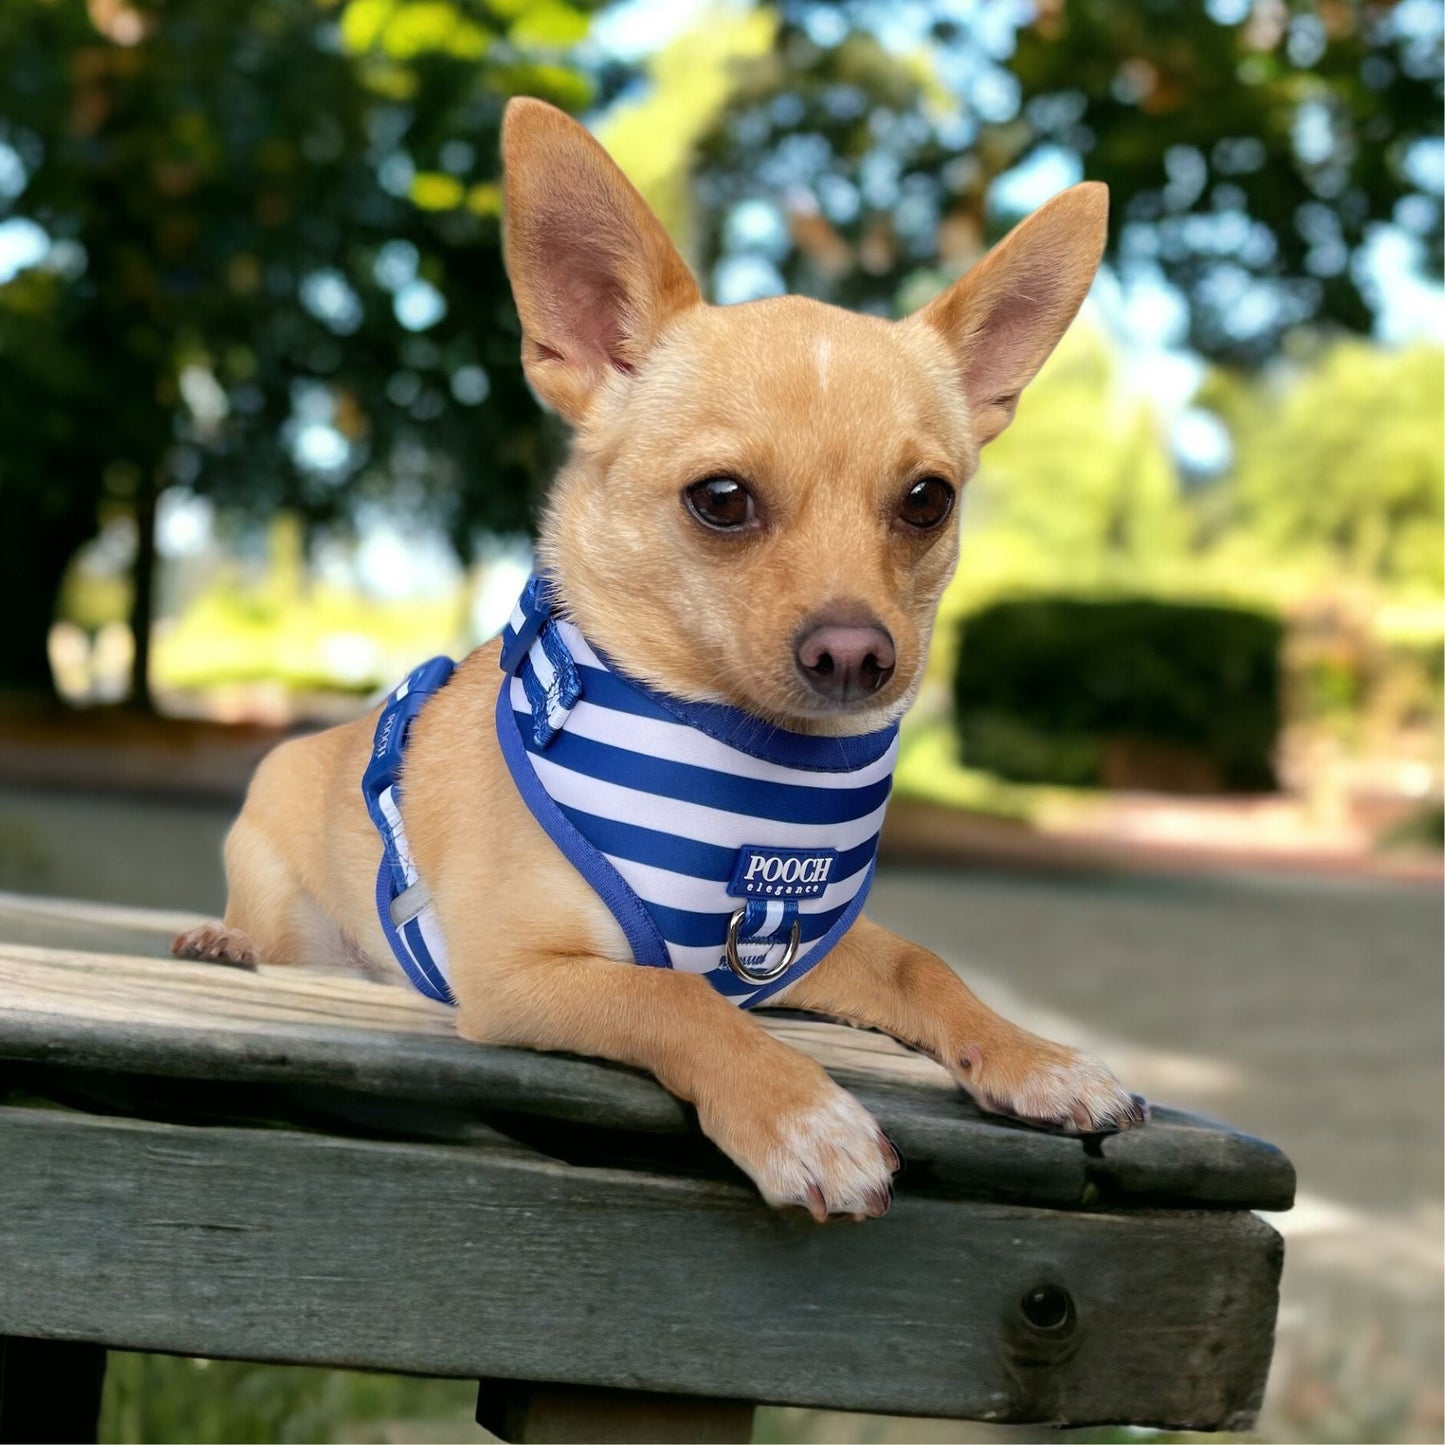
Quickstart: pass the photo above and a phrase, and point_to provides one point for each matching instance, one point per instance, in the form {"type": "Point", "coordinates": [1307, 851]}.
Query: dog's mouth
{"type": "Point", "coordinates": [859, 706]}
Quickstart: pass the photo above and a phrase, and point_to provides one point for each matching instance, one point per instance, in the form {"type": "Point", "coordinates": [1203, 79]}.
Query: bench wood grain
{"type": "Point", "coordinates": [275, 1245]}
{"type": "Point", "coordinates": [309, 1167]}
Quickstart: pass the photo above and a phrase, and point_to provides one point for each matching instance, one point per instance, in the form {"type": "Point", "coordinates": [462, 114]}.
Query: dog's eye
{"type": "Point", "coordinates": [722, 503]}
{"type": "Point", "coordinates": [928, 502]}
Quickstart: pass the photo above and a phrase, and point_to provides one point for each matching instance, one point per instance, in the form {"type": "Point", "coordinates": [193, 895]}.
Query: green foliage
{"type": "Point", "coordinates": [1249, 158]}
{"type": "Point", "coordinates": [1080, 493]}
{"type": "Point", "coordinates": [158, 1398]}
{"type": "Point", "coordinates": [274, 273]}
{"type": "Point", "coordinates": [1250, 155]}
{"type": "Point", "coordinates": [651, 136]}
{"type": "Point", "coordinates": [1086, 692]}
{"type": "Point", "coordinates": [1338, 476]}
{"type": "Point", "coordinates": [306, 634]}
{"type": "Point", "coordinates": [1423, 829]}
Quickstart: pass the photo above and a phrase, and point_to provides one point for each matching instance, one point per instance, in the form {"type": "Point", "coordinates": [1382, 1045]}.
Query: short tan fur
{"type": "Point", "coordinates": [833, 424]}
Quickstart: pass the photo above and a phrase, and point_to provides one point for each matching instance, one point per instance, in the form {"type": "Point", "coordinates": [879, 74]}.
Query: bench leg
{"type": "Point", "coordinates": [526, 1413]}
{"type": "Point", "coordinates": [49, 1390]}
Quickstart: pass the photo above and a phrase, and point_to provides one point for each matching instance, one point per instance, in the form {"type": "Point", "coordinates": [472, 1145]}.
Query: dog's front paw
{"type": "Point", "coordinates": [215, 943]}
{"type": "Point", "coordinates": [815, 1148]}
{"type": "Point", "coordinates": [1036, 1082]}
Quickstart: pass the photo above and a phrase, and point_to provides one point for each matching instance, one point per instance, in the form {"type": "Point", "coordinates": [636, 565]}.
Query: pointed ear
{"type": "Point", "coordinates": [1003, 318]}
{"type": "Point", "coordinates": [594, 275]}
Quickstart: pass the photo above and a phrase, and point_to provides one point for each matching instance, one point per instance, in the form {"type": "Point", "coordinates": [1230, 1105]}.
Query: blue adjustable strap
{"type": "Point", "coordinates": [754, 926]}
{"type": "Point", "coordinates": [552, 684]}
{"type": "Point", "coordinates": [381, 788]}
{"type": "Point", "coordinates": [532, 612]}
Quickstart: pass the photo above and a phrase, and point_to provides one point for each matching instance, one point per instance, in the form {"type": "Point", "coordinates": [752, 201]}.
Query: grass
{"type": "Point", "coordinates": [153, 1399]}
{"type": "Point", "coordinates": [158, 1399]}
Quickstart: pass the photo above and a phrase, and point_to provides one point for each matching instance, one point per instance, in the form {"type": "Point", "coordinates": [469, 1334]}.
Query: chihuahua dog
{"type": "Point", "coordinates": [755, 523]}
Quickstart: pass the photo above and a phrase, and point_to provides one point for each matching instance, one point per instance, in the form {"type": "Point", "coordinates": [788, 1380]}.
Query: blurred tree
{"type": "Point", "coordinates": [266, 269]}
{"type": "Point", "coordinates": [1338, 474]}
{"type": "Point", "coordinates": [692, 77]}
{"type": "Point", "coordinates": [1080, 498]}
{"type": "Point", "coordinates": [1254, 148]}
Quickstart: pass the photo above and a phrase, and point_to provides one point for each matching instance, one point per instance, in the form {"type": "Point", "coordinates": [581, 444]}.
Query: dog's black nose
{"type": "Point", "coordinates": [843, 660]}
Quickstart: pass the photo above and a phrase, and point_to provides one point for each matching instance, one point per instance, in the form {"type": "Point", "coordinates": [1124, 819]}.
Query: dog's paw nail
{"type": "Point", "coordinates": [815, 1204]}
{"type": "Point", "coordinates": [890, 1154]}
{"type": "Point", "coordinates": [212, 943]}
{"type": "Point", "coordinates": [878, 1203]}
{"type": "Point", "coordinates": [970, 1059]}
{"type": "Point", "coordinates": [1132, 1115]}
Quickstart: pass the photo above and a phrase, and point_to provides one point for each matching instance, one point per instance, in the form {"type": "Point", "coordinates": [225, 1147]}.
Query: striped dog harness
{"type": "Point", "coordinates": [722, 845]}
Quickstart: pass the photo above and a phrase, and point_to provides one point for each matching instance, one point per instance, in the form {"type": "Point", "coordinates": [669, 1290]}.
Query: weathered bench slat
{"type": "Point", "coordinates": [274, 1245]}
{"type": "Point", "coordinates": [305, 1028]}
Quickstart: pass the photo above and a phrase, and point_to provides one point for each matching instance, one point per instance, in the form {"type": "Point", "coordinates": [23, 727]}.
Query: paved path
{"type": "Point", "coordinates": [1305, 1011]}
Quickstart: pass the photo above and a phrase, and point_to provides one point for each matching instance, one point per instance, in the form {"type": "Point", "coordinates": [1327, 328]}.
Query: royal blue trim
{"type": "Point", "coordinates": [569, 684]}
{"type": "Point", "coordinates": [419, 969]}
{"type": "Point", "coordinates": [626, 907]}
{"type": "Point", "coordinates": [383, 772]}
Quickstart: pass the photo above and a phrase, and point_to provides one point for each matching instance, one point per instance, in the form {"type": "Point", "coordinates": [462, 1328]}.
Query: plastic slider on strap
{"type": "Point", "coordinates": [529, 616]}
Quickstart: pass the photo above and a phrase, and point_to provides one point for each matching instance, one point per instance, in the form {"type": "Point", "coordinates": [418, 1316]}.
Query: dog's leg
{"type": "Point", "coordinates": [874, 977]}
{"type": "Point", "coordinates": [270, 918]}
{"type": "Point", "coordinates": [801, 1138]}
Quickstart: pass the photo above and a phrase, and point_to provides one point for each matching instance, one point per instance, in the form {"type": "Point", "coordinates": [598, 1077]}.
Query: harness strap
{"type": "Point", "coordinates": [404, 907]}
{"type": "Point", "coordinates": [653, 798]}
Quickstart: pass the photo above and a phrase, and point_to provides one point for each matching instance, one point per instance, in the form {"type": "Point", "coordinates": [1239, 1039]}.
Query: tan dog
{"type": "Point", "coordinates": [757, 510]}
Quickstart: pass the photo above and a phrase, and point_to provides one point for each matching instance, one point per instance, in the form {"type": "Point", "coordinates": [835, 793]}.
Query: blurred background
{"type": "Point", "coordinates": [1174, 787]}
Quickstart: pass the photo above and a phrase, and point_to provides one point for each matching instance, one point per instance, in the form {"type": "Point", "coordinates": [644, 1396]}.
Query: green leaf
{"type": "Point", "coordinates": [434, 191]}
{"type": "Point", "coordinates": [551, 24]}
{"type": "Point", "coordinates": [428, 26]}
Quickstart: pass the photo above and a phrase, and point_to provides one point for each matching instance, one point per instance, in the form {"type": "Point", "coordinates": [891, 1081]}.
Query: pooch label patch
{"type": "Point", "coordinates": [782, 872]}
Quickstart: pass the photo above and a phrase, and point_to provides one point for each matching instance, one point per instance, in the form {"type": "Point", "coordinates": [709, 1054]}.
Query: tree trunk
{"type": "Point", "coordinates": [142, 607]}
{"type": "Point", "coordinates": [34, 553]}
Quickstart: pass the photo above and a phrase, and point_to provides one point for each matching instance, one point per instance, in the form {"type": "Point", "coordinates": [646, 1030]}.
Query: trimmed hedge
{"type": "Point", "coordinates": [1134, 693]}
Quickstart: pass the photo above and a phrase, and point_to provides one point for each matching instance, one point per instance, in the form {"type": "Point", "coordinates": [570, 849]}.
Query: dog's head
{"type": "Point", "coordinates": [761, 503]}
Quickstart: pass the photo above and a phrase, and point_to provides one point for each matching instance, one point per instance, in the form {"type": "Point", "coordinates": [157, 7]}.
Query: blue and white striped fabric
{"type": "Point", "coordinates": [683, 816]}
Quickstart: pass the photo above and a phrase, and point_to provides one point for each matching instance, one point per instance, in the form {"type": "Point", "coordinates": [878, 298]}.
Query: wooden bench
{"type": "Point", "coordinates": [307, 1167]}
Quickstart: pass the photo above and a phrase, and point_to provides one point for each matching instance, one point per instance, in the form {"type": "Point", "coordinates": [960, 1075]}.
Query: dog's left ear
{"type": "Point", "coordinates": [1004, 317]}
{"type": "Point", "coordinates": [593, 273]}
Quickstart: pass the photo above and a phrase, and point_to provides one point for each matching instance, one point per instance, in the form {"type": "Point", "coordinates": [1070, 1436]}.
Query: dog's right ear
{"type": "Point", "coordinates": [594, 275]}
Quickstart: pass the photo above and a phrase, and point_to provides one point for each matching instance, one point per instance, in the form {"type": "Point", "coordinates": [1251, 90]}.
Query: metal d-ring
{"type": "Point", "coordinates": [749, 975]}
